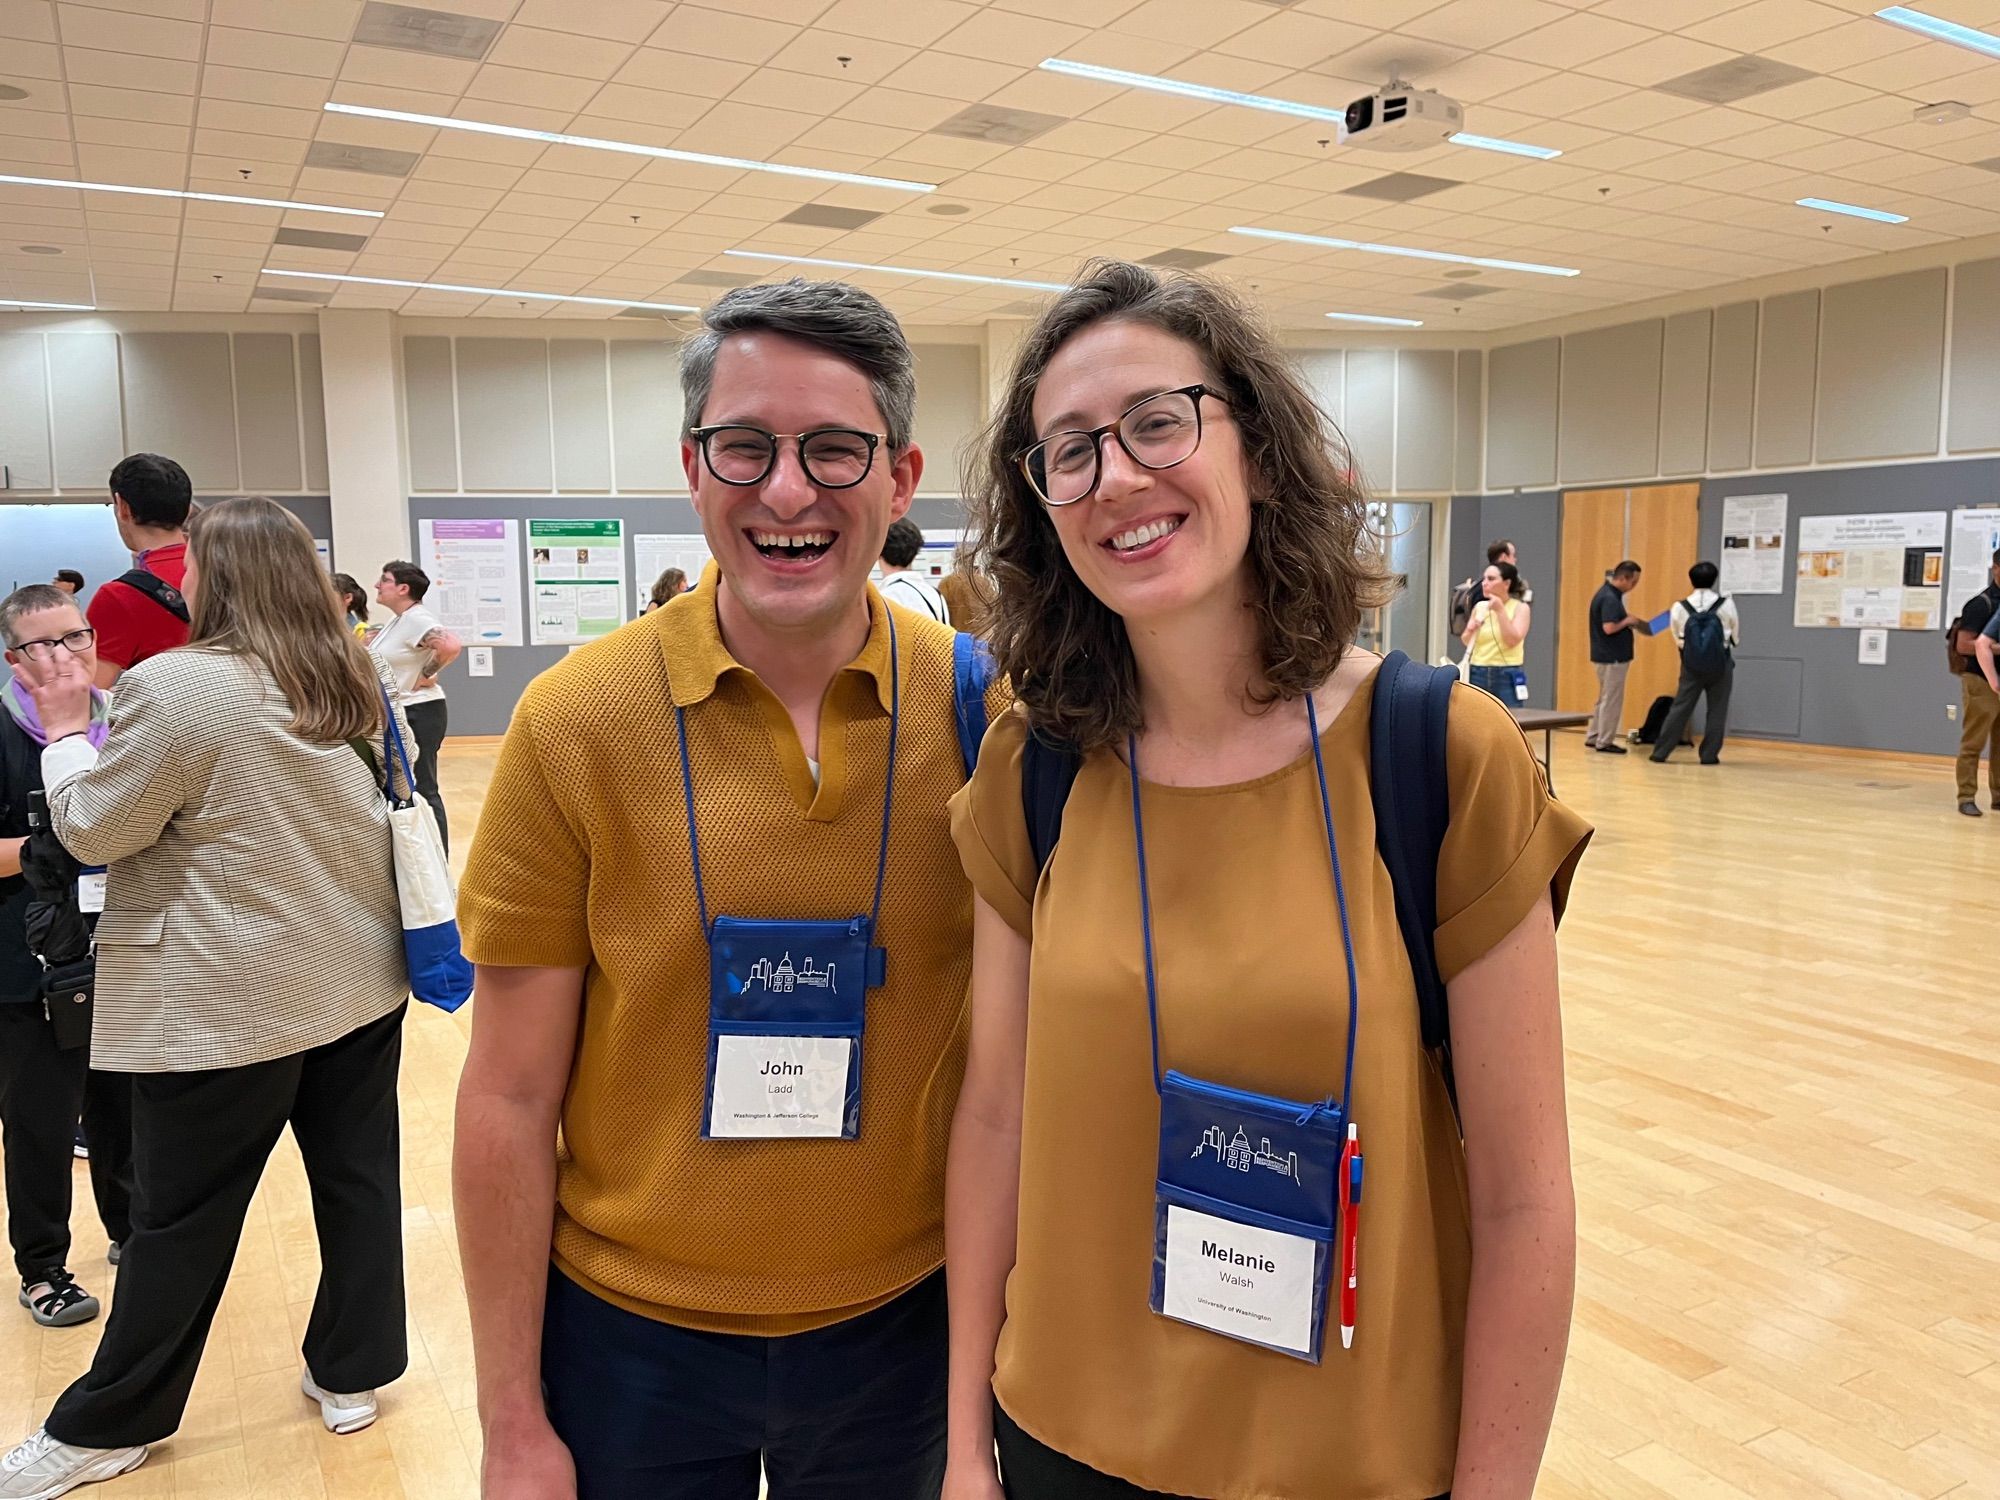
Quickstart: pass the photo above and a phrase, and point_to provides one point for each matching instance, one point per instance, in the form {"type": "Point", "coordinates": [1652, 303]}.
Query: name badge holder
{"type": "Point", "coordinates": [787, 997]}
{"type": "Point", "coordinates": [1246, 1195]}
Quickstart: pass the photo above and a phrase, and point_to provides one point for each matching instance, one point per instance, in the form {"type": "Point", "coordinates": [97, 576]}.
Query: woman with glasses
{"type": "Point", "coordinates": [1195, 1011]}
{"type": "Point", "coordinates": [250, 976]}
{"type": "Point", "coordinates": [1497, 635]}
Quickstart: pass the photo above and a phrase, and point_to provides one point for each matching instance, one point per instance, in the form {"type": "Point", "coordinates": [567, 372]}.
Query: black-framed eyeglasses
{"type": "Point", "coordinates": [834, 458]}
{"type": "Point", "coordinates": [76, 642]}
{"type": "Point", "coordinates": [1156, 433]}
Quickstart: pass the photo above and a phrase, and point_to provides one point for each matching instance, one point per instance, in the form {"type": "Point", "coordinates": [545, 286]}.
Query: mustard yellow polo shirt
{"type": "Point", "coordinates": [582, 859]}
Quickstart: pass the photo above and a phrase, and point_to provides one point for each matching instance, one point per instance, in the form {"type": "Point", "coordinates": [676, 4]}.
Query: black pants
{"type": "Point", "coordinates": [43, 1089]}
{"type": "Point", "coordinates": [1714, 721]}
{"type": "Point", "coordinates": [427, 723]}
{"type": "Point", "coordinates": [1030, 1470]}
{"type": "Point", "coordinates": [200, 1143]}
{"type": "Point", "coordinates": [855, 1411]}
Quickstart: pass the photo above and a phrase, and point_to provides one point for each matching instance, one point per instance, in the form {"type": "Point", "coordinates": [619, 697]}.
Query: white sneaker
{"type": "Point", "coordinates": [42, 1468]}
{"type": "Point", "coordinates": [341, 1413]}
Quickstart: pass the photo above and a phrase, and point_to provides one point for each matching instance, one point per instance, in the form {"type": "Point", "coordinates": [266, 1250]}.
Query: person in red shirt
{"type": "Point", "coordinates": [151, 497]}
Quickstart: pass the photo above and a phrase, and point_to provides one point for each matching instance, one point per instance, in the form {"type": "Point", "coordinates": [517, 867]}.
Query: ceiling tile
{"type": "Point", "coordinates": [131, 104]}
{"type": "Point", "coordinates": [310, 57]}
{"type": "Point", "coordinates": [629, 21]}
{"type": "Point", "coordinates": [695, 30]}
{"type": "Point", "coordinates": [123, 31]}
{"type": "Point", "coordinates": [558, 52]}
{"type": "Point", "coordinates": [704, 77]}
{"type": "Point", "coordinates": [1655, 61]}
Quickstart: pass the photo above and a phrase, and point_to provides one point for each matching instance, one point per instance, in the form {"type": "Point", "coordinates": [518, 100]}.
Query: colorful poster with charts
{"type": "Point", "coordinates": [1753, 544]}
{"type": "Point", "coordinates": [1870, 572]}
{"type": "Point", "coordinates": [577, 577]}
{"type": "Point", "coordinates": [475, 569]}
{"type": "Point", "coordinates": [1975, 537]}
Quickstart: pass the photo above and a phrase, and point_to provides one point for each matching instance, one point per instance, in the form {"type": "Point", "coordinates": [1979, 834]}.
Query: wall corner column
{"type": "Point", "coordinates": [366, 457]}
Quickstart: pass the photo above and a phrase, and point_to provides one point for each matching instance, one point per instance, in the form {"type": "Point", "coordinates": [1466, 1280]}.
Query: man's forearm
{"type": "Point", "coordinates": [504, 1194]}
{"type": "Point", "coordinates": [1983, 649]}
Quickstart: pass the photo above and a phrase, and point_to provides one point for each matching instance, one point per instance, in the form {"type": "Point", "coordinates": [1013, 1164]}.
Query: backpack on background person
{"type": "Point", "coordinates": [1705, 641]}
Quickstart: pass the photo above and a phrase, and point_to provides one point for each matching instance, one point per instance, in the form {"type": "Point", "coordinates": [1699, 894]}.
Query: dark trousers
{"type": "Point", "coordinates": [1031, 1470]}
{"type": "Point", "coordinates": [1715, 718]}
{"type": "Point", "coordinates": [43, 1089]}
{"type": "Point", "coordinates": [427, 723]}
{"type": "Point", "coordinates": [200, 1141]}
{"type": "Point", "coordinates": [855, 1411]}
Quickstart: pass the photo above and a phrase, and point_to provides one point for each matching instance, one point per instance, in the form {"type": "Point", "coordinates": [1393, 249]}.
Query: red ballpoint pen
{"type": "Point", "coordinates": [1350, 1192]}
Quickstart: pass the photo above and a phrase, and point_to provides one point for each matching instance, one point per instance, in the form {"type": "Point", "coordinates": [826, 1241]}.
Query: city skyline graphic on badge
{"type": "Point", "coordinates": [783, 979]}
{"type": "Point", "coordinates": [1235, 1153]}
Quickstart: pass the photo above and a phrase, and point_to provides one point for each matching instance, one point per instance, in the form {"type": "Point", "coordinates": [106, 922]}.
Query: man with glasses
{"type": "Point", "coordinates": [723, 943]}
{"type": "Point", "coordinates": [45, 1074]}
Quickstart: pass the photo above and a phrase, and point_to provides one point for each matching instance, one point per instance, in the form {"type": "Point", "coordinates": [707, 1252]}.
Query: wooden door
{"type": "Point", "coordinates": [1659, 527]}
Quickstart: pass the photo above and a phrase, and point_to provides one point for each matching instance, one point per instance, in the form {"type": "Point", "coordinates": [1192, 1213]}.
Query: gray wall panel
{"type": "Point", "coordinates": [580, 402]}
{"type": "Point", "coordinates": [503, 414]}
{"type": "Point", "coordinates": [429, 401]}
{"type": "Point", "coordinates": [1684, 393]}
{"type": "Point", "coordinates": [1610, 421]}
{"type": "Point", "coordinates": [948, 412]}
{"type": "Point", "coordinates": [179, 401]}
{"type": "Point", "coordinates": [1371, 417]}
{"type": "Point", "coordinates": [267, 412]}
{"type": "Point", "coordinates": [1521, 414]}
{"type": "Point", "coordinates": [24, 411]}
{"type": "Point", "coordinates": [1732, 382]}
{"type": "Point", "coordinates": [1975, 357]}
{"type": "Point", "coordinates": [312, 410]}
{"type": "Point", "coordinates": [1533, 522]}
{"type": "Point", "coordinates": [1881, 376]}
{"type": "Point", "coordinates": [86, 408]}
{"type": "Point", "coordinates": [646, 415]}
{"type": "Point", "coordinates": [1326, 374]}
{"type": "Point", "coordinates": [1787, 362]}
{"type": "Point", "coordinates": [1469, 440]}
{"type": "Point", "coordinates": [1426, 411]}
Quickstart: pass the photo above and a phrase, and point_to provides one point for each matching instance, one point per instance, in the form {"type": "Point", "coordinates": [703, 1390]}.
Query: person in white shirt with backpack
{"type": "Point", "coordinates": [1707, 630]}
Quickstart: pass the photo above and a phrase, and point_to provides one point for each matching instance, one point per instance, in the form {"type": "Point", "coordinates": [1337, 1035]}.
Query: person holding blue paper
{"type": "Point", "coordinates": [250, 976]}
{"type": "Point", "coordinates": [1194, 1007]}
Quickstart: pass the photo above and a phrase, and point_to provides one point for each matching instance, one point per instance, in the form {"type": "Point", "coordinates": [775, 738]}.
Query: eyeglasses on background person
{"type": "Point", "coordinates": [834, 458]}
{"type": "Point", "coordinates": [1155, 433]}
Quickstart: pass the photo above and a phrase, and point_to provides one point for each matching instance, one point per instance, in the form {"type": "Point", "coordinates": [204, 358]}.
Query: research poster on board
{"type": "Point", "coordinates": [577, 575]}
{"type": "Point", "coordinates": [1753, 544]}
{"type": "Point", "coordinates": [475, 571]}
{"type": "Point", "coordinates": [1874, 571]}
{"type": "Point", "coordinates": [655, 552]}
{"type": "Point", "coordinates": [1975, 537]}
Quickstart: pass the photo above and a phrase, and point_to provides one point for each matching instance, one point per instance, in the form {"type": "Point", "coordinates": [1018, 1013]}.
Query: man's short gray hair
{"type": "Point", "coordinates": [31, 599]}
{"type": "Point", "coordinates": [841, 319]}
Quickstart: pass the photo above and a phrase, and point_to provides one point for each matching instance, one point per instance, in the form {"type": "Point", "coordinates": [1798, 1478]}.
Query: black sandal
{"type": "Point", "coordinates": [60, 1303]}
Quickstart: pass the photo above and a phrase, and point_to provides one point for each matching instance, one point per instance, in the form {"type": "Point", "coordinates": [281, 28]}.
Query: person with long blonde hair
{"type": "Point", "coordinates": [250, 976]}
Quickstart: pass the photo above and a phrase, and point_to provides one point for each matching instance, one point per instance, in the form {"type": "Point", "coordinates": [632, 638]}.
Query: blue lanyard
{"type": "Point", "coordinates": [1339, 892]}
{"type": "Point", "coordinates": [888, 793]}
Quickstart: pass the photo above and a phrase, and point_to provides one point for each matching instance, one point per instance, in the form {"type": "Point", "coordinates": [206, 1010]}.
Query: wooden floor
{"type": "Point", "coordinates": [1782, 986]}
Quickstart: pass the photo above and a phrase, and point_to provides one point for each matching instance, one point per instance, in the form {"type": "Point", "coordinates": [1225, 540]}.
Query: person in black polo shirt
{"type": "Point", "coordinates": [1611, 656]}
{"type": "Point", "coordinates": [1979, 713]}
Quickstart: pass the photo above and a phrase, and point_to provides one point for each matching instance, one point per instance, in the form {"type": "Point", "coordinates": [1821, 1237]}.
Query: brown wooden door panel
{"type": "Point", "coordinates": [1659, 527]}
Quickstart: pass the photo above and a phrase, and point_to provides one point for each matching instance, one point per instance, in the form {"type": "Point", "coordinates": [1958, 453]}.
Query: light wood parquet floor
{"type": "Point", "coordinates": [1782, 991]}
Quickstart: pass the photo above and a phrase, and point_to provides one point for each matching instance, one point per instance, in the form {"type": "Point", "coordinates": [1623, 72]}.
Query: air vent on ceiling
{"type": "Point", "coordinates": [41, 250]}
{"type": "Point", "coordinates": [645, 312]}
{"type": "Point", "coordinates": [1459, 293]}
{"type": "Point", "coordinates": [293, 294]}
{"type": "Point", "coordinates": [320, 239]}
{"type": "Point", "coordinates": [437, 33]}
{"type": "Point", "coordinates": [997, 125]}
{"type": "Point", "coordinates": [1400, 187]}
{"type": "Point", "coordinates": [1463, 273]}
{"type": "Point", "coordinates": [831, 216]}
{"type": "Point", "coordinates": [1183, 260]}
{"type": "Point", "coordinates": [1991, 164]}
{"type": "Point", "coordinates": [716, 278]}
{"type": "Point", "coordinates": [378, 161]}
{"type": "Point", "coordinates": [10, 93]}
{"type": "Point", "coordinates": [1277, 4]}
{"type": "Point", "coordinates": [1742, 77]}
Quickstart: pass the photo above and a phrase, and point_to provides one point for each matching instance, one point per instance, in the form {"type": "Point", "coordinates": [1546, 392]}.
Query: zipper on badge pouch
{"type": "Point", "coordinates": [1267, 1105]}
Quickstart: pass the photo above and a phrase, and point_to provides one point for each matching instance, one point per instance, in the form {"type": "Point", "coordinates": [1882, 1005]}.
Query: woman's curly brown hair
{"type": "Point", "coordinates": [1315, 563]}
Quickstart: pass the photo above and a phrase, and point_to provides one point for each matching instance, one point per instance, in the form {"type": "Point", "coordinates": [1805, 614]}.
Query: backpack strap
{"type": "Point", "coordinates": [1048, 771]}
{"type": "Point", "coordinates": [1408, 784]}
{"type": "Point", "coordinates": [972, 670]}
{"type": "Point", "coordinates": [156, 588]}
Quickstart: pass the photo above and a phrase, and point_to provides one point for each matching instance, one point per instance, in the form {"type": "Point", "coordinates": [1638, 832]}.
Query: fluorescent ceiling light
{"type": "Point", "coordinates": [150, 192]}
{"type": "Point", "coordinates": [1463, 260]}
{"type": "Point", "coordinates": [629, 148]}
{"type": "Point", "coordinates": [1941, 30]}
{"type": "Point", "coordinates": [861, 265]}
{"type": "Point", "coordinates": [482, 291]}
{"type": "Point", "coordinates": [1511, 148]}
{"type": "Point", "coordinates": [1827, 205]}
{"type": "Point", "coordinates": [1377, 318]}
{"type": "Point", "coordinates": [48, 306]}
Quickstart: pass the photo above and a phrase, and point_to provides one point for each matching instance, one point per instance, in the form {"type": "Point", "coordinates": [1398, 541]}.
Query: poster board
{"type": "Point", "coordinates": [655, 552]}
{"type": "Point", "coordinates": [577, 573]}
{"type": "Point", "coordinates": [475, 571]}
{"type": "Point", "coordinates": [1975, 534]}
{"type": "Point", "coordinates": [1753, 544]}
{"type": "Point", "coordinates": [937, 559]}
{"type": "Point", "coordinates": [1881, 571]}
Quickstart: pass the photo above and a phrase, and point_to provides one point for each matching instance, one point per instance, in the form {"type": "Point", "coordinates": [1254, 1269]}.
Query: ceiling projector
{"type": "Point", "coordinates": [1400, 118]}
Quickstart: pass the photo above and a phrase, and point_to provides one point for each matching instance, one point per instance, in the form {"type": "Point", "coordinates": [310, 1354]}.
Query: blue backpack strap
{"type": "Point", "coordinates": [972, 672]}
{"type": "Point", "coordinates": [1048, 771]}
{"type": "Point", "coordinates": [1411, 792]}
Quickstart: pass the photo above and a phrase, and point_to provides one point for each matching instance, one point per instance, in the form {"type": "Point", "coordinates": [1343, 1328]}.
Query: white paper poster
{"type": "Point", "coordinates": [938, 558]}
{"type": "Point", "coordinates": [1874, 648]}
{"type": "Point", "coordinates": [475, 570]}
{"type": "Point", "coordinates": [1874, 571]}
{"type": "Point", "coordinates": [324, 549]}
{"type": "Point", "coordinates": [577, 570]}
{"type": "Point", "coordinates": [655, 552]}
{"type": "Point", "coordinates": [1975, 536]}
{"type": "Point", "coordinates": [1753, 544]}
